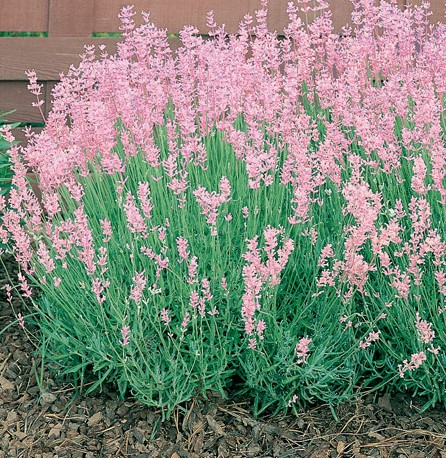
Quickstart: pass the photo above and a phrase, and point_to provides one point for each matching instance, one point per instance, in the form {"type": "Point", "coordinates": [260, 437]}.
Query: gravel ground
{"type": "Point", "coordinates": [49, 420]}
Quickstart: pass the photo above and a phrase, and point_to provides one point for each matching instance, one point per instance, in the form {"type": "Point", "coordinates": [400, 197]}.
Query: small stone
{"type": "Point", "coordinates": [55, 432]}
{"type": "Point", "coordinates": [47, 398]}
{"type": "Point", "coordinates": [95, 419]}
{"type": "Point", "coordinates": [122, 410]}
{"type": "Point", "coordinates": [384, 403]}
{"type": "Point", "coordinates": [12, 417]}
{"type": "Point", "coordinates": [140, 435]}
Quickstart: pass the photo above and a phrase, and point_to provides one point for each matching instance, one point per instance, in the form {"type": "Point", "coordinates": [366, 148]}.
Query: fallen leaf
{"type": "Point", "coordinates": [215, 426]}
{"type": "Point", "coordinates": [340, 447]}
{"type": "Point", "coordinates": [375, 435]}
{"type": "Point", "coordinates": [357, 451]}
{"type": "Point", "coordinates": [20, 434]}
{"type": "Point", "coordinates": [321, 453]}
{"type": "Point", "coordinates": [5, 384]}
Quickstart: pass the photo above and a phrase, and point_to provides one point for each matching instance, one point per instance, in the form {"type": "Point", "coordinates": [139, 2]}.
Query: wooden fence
{"type": "Point", "coordinates": [70, 24]}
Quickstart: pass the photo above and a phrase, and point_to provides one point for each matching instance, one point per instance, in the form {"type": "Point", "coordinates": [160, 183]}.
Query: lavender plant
{"type": "Point", "coordinates": [5, 167]}
{"type": "Point", "coordinates": [250, 215]}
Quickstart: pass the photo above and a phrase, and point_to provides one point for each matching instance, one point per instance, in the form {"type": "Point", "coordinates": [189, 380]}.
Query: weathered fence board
{"type": "Point", "coordinates": [15, 96]}
{"type": "Point", "coordinates": [48, 56]}
{"type": "Point", "coordinates": [24, 15]}
{"type": "Point", "coordinates": [174, 14]}
{"type": "Point", "coordinates": [69, 18]}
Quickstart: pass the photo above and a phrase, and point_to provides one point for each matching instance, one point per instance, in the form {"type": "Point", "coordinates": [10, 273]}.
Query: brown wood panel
{"type": "Point", "coordinates": [174, 14]}
{"type": "Point", "coordinates": [278, 18]}
{"type": "Point", "coordinates": [437, 8]}
{"type": "Point", "coordinates": [48, 97]}
{"type": "Point", "coordinates": [341, 14]}
{"type": "Point", "coordinates": [20, 136]}
{"type": "Point", "coordinates": [24, 15]}
{"type": "Point", "coordinates": [47, 56]}
{"type": "Point", "coordinates": [68, 18]}
{"type": "Point", "coordinates": [14, 95]}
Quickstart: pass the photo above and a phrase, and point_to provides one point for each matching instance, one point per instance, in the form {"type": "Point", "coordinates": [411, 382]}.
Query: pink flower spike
{"type": "Point", "coordinates": [139, 283]}
{"type": "Point", "coordinates": [302, 350]}
{"type": "Point", "coordinates": [182, 245]}
{"type": "Point", "coordinates": [165, 317]}
{"type": "Point", "coordinates": [125, 333]}
{"type": "Point", "coordinates": [106, 230]}
{"type": "Point", "coordinates": [21, 320]}
{"type": "Point", "coordinates": [185, 321]}
{"type": "Point", "coordinates": [424, 328]}
{"type": "Point", "coordinates": [252, 345]}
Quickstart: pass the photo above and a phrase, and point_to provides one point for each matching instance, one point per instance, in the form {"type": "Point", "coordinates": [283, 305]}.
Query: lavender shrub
{"type": "Point", "coordinates": [250, 208]}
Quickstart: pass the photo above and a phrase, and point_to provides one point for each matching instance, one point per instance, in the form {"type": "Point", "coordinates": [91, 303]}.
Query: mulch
{"type": "Point", "coordinates": [40, 418]}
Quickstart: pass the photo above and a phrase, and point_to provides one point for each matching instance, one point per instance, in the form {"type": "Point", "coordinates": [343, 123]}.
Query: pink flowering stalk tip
{"type": "Point", "coordinates": [125, 333]}
{"type": "Point", "coordinates": [416, 360]}
{"type": "Point", "coordinates": [302, 350]}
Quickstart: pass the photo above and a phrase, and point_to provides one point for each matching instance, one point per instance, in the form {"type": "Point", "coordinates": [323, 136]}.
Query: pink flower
{"type": "Point", "coordinates": [165, 317]}
{"type": "Point", "coordinates": [326, 253]}
{"type": "Point", "coordinates": [416, 361]}
{"type": "Point", "coordinates": [193, 266]}
{"type": "Point", "coordinates": [125, 333]}
{"type": "Point", "coordinates": [210, 201]}
{"type": "Point", "coordinates": [424, 328]}
{"type": "Point", "coordinates": [145, 200]}
{"type": "Point", "coordinates": [185, 321]}
{"type": "Point", "coordinates": [256, 274]}
{"type": "Point", "coordinates": [182, 245]}
{"type": "Point", "coordinates": [135, 221]}
{"type": "Point", "coordinates": [136, 290]}
{"type": "Point", "coordinates": [24, 285]}
{"type": "Point", "coordinates": [106, 230]}
{"type": "Point", "coordinates": [21, 321]}
{"type": "Point", "coordinates": [194, 299]}
{"type": "Point", "coordinates": [302, 350]}
{"type": "Point", "coordinates": [372, 337]}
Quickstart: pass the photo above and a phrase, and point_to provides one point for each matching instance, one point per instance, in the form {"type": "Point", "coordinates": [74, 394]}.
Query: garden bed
{"type": "Point", "coordinates": [55, 421]}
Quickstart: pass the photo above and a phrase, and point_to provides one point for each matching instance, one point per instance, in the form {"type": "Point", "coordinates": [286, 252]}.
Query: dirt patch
{"type": "Point", "coordinates": [42, 419]}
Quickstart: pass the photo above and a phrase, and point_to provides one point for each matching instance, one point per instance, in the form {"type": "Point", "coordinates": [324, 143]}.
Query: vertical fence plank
{"type": "Point", "coordinates": [14, 19]}
{"type": "Point", "coordinates": [68, 18]}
